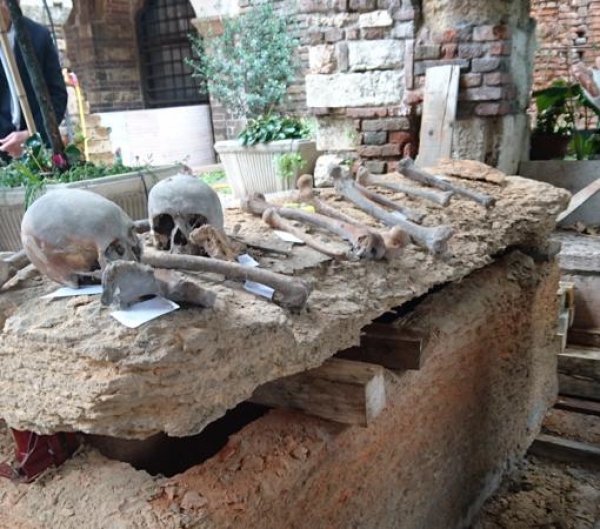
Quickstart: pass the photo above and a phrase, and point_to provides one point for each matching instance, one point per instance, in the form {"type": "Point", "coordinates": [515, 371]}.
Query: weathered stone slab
{"type": "Point", "coordinates": [335, 134]}
{"type": "Point", "coordinates": [375, 54]}
{"type": "Point", "coordinates": [354, 89]}
{"type": "Point", "coordinates": [66, 365]}
{"type": "Point", "coordinates": [375, 19]}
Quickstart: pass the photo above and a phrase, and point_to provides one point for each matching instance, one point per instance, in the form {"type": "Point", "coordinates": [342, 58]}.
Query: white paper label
{"type": "Point", "coordinates": [259, 289]}
{"type": "Point", "coordinates": [144, 311]}
{"type": "Point", "coordinates": [66, 292]}
{"type": "Point", "coordinates": [288, 237]}
{"type": "Point", "coordinates": [246, 260]}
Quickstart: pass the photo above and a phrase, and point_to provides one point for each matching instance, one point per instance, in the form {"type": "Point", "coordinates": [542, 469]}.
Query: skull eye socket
{"type": "Point", "coordinates": [164, 224]}
{"type": "Point", "coordinates": [196, 221]}
{"type": "Point", "coordinates": [115, 250]}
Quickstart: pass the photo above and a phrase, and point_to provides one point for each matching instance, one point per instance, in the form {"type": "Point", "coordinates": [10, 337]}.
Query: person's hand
{"type": "Point", "coordinates": [13, 143]}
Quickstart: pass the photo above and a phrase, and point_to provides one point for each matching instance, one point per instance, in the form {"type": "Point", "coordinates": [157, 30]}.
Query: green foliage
{"type": "Point", "coordinates": [288, 164]}
{"type": "Point", "coordinates": [274, 127]}
{"type": "Point", "coordinates": [563, 109]}
{"type": "Point", "coordinates": [249, 66]}
{"type": "Point", "coordinates": [35, 168]}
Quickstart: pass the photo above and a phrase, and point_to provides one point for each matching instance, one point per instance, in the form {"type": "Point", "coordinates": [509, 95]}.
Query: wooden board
{"type": "Point", "coordinates": [439, 113]}
{"type": "Point", "coordinates": [340, 390]}
{"type": "Point", "coordinates": [566, 450]}
{"type": "Point", "coordinates": [578, 200]}
{"type": "Point", "coordinates": [587, 300]}
{"type": "Point", "coordinates": [588, 407]}
{"type": "Point", "coordinates": [389, 346]}
{"type": "Point", "coordinates": [587, 337]}
{"type": "Point", "coordinates": [579, 372]}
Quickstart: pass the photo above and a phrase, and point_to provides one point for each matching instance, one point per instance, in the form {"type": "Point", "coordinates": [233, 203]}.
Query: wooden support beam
{"type": "Point", "coordinates": [392, 347]}
{"type": "Point", "coordinates": [587, 337]}
{"type": "Point", "coordinates": [340, 390]}
{"type": "Point", "coordinates": [579, 372]}
{"type": "Point", "coordinates": [587, 407]}
{"type": "Point", "coordinates": [566, 450]}
{"type": "Point", "coordinates": [578, 200]}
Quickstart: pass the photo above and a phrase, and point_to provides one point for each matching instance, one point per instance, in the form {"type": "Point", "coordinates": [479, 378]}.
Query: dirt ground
{"type": "Point", "coordinates": [543, 494]}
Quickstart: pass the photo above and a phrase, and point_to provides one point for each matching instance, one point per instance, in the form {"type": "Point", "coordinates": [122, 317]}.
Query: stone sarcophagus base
{"type": "Point", "coordinates": [439, 447]}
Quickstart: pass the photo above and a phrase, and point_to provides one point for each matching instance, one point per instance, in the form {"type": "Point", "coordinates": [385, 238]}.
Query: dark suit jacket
{"type": "Point", "coordinates": [48, 58]}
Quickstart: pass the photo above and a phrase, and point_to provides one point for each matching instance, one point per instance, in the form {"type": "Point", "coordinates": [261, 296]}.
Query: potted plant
{"type": "Point", "coordinates": [566, 123]}
{"type": "Point", "coordinates": [23, 179]}
{"type": "Point", "coordinates": [249, 68]}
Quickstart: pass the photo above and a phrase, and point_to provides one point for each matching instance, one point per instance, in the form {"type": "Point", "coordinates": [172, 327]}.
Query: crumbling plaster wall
{"type": "Point", "coordinates": [428, 461]}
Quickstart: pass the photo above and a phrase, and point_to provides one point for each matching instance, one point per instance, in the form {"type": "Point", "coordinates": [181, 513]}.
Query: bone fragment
{"type": "Point", "coordinates": [365, 243]}
{"type": "Point", "coordinates": [365, 178]}
{"type": "Point", "coordinates": [214, 242]}
{"type": "Point", "coordinates": [11, 265]}
{"type": "Point", "coordinates": [407, 213]}
{"type": "Point", "coordinates": [289, 292]}
{"type": "Point", "coordinates": [142, 226]}
{"type": "Point", "coordinates": [434, 239]}
{"type": "Point", "coordinates": [271, 218]}
{"type": "Point", "coordinates": [126, 282]}
{"type": "Point", "coordinates": [394, 239]}
{"type": "Point", "coordinates": [407, 167]}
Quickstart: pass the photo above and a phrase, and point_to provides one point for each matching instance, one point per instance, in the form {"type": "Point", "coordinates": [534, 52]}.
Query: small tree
{"type": "Point", "coordinates": [249, 67]}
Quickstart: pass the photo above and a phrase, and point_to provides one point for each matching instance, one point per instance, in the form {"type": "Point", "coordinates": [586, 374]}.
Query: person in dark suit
{"type": "Point", "coordinates": [13, 131]}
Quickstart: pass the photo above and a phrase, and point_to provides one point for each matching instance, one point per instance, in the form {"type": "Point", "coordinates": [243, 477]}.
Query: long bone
{"type": "Point", "coordinates": [434, 239]}
{"type": "Point", "coordinates": [365, 178]}
{"type": "Point", "coordinates": [11, 265]}
{"type": "Point", "coordinates": [394, 239]}
{"type": "Point", "coordinates": [365, 243]}
{"type": "Point", "coordinates": [407, 167]}
{"type": "Point", "coordinates": [272, 218]}
{"type": "Point", "coordinates": [289, 292]}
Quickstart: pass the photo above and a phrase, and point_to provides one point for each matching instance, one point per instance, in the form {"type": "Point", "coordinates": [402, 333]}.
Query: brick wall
{"type": "Point", "coordinates": [567, 32]}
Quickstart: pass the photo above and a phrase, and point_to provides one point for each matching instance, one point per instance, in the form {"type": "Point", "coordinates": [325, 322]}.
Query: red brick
{"type": "Point", "coordinates": [471, 80]}
{"type": "Point", "coordinates": [369, 151]}
{"type": "Point", "coordinates": [400, 137]}
{"type": "Point", "coordinates": [449, 51]}
{"type": "Point", "coordinates": [488, 32]}
{"type": "Point", "coordinates": [367, 112]}
{"type": "Point", "coordinates": [391, 149]}
{"type": "Point", "coordinates": [500, 47]}
{"type": "Point", "coordinates": [497, 78]}
{"type": "Point", "coordinates": [492, 109]}
{"type": "Point", "coordinates": [413, 97]}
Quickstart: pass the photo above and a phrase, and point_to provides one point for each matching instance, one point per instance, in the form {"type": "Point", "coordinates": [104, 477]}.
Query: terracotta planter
{"type": "Point", "coordinates": [128, 190]}
{"type": "Point", "coordinates": [251, 170]}
{"type": "Point", "coordinates": [548, 146]}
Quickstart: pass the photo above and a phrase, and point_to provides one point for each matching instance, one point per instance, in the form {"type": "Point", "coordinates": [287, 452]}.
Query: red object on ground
{"type": "Point", "coordinates": [35, 453]}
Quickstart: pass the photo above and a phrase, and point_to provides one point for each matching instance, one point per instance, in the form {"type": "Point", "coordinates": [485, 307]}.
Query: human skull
{"type": "Point", "coordinates": [71, 234]}
{"type": "Point", "coordinates": [178, 205]}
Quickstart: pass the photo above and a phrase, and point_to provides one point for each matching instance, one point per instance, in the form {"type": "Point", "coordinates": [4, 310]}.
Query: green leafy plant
{"type": "Point", "coordinates": [249, 67]}
{"type": "Point", "coordinates": [289, 164]}
{"type": "Point", "coordinates": [273, 127]}
{"type": "Point", "coordinates": [37, 167]}
{"type": "Point", "coordinates": [563, 110]}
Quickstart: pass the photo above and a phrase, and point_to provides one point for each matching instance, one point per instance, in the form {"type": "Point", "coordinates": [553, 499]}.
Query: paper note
{"type": "Point", "coordinates": [144, 311]}
{"type": "Point", "coordinates": [259, 289]}
{"type": "Point", "coordinates": [288, 237]}
{"type": "Point", "coordinates": [66, 292]}
{"type": "Point", "coordinates": [246, 260]}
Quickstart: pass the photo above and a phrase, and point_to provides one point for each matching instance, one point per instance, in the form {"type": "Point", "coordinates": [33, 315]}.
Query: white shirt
{"type": "Point", "coordinates": [15, 107]}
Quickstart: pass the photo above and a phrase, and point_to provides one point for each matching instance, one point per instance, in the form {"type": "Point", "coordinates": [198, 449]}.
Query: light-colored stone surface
{"type": "Point", "coordinates": [375, 54]}
{"type": "Point", "coordinates": [321, 58]}
{"type": "Point", "coordinates": [321, 177]}
{"type": "Point", "coordinates": [375, 19]}
{"type": "Point", "coordinates": [443, 14]}
{"type": "Point", "coordinates": [428, 461]}
{"type": "Point", "coordinates": [354, 89]}
{"type": "Point", "coordinates": [67, 365]}
{"type": "Point", "coordinates": [336, 134]}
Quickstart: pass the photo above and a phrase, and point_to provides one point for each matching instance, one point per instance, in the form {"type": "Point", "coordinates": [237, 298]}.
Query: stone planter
{"type": "Point", "coordinates": [251, 170]}
{"type": "Point", "coordinates": [129, 190]}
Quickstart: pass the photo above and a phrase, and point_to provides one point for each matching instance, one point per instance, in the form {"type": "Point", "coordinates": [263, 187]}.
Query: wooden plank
{"type": "Point", "coordinates": [575, 386]}
{"type": "Point", "coordinates": [566, 450]}
{"type": "Point", "coordinates": [587, 407]}
{"type": "Point", "coordinates": [389, 346]}
{"type": "Point", "coordinates": [580, 361]}
{"type": "Point", "coordinates": [586, 300]}
{"type": "Point", "coordinates": [439, 114]}
{"type": "Point", "coordinates": [340, 390]}
{"type": "Point", "coordinates": [587, 337]}
{"type": "Point", "coordinates": [578, 200]}
{"type": "Point", "coordinates": [579, 253]}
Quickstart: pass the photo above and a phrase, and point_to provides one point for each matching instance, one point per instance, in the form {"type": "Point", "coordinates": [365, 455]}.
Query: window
{"type": "Point", "coordinates": [163, 27]}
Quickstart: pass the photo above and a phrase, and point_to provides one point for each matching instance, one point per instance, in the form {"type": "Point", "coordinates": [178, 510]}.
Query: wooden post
{"type": "Point", "coordinates": [15, 74]}
{"type": "Point", "coordinates": [37, 78]}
